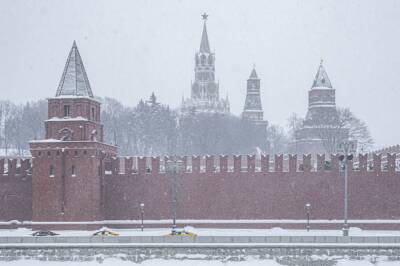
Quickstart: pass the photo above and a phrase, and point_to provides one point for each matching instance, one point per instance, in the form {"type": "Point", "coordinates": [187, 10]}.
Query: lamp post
{"type": "Point", "coordinates": [142, 215]}
{"type": "Point", "coordinates": [174, 168]}
{"type": "Point", "coordinates": [174, 202]}
{"type": "Point", "coordinates": [308, 209]}
{"type": "Point", "coordinates": [346, 148]}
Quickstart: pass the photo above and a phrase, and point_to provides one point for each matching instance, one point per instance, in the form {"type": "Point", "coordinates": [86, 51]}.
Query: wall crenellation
{"type": "Point", "coordinates": [291, 163]}
{"type": "Point", "coordinates": [15, 167]}
{"type": "Point", "coordinates": [279, 163]}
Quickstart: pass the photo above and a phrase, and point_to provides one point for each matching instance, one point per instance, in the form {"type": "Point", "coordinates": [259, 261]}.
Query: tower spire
{"type": "Point", "coordinates": [204, 95]}
{"type": "Point", "coordinates": [74, 81]}
{"type": "Point", "coordinates": [321, 78]}
{"type": "Point", "coordinates": [253, 74]}
{"type": "Point", "coordinates": [204, 44]}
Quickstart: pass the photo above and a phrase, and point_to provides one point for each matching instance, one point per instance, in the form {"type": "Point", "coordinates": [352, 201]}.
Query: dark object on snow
{"type": "Point", "coordinates": [44, 233]}
{"type": "Point", "coordinates": [105, 233]}
{"type": "Point", "coordinates": [181, 232]}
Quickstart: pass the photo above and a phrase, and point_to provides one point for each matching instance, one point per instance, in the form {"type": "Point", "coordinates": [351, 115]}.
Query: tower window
{"type": "Point", "coordinates": [51, 171]}
{"type": "Point", "coordinates": [73, 172]}
{"type": "Point", "coordinates": [203, 59]}
{"type": "Point", "coordinates": [67, 110]}
{"type": "Point", "coordinates": [92, 113]}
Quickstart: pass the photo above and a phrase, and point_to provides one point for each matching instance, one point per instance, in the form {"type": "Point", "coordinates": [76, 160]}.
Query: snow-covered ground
{"type": "Point", "coordinates": [211, 232]}
{"type": "Point", "coordinates": [162, 262]}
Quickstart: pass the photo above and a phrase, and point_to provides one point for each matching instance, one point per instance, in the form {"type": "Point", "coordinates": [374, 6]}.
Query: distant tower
{"type": "Point", "coordinates": [252, 108]}
{"type": "Point", "coordinates": [321, 98]}
{"type": "Point", "coordinates": [205, 90]}
{"type": "Point", "coordinates": [68, 184]}
{"type": "Point", "coordinates": [321, 113]}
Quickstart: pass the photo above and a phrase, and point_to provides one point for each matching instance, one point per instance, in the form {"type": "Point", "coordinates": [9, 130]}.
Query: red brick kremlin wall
{"type": "Point", "coordinates": [222, 188]}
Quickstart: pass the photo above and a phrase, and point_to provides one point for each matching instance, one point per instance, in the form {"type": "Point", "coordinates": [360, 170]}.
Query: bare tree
{"type": "Point", "coordinates": [277, 140]}
{"type": "Point", "coordinates": [342, 125]}
{"type": "Point", "coordinates": [294, 123]}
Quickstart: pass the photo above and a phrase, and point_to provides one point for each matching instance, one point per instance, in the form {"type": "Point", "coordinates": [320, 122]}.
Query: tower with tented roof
{"type": "Point", "coordinates": [205, 90]}
{"type": "Point", "coordinates": [67, 179]}
{"type": "Point", "coordinates": [253, 110]}
{"type": "Point", "coordinates": [320, 119]}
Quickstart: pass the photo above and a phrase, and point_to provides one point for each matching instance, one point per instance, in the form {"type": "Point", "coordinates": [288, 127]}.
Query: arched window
{"type": "Point", "coordinates": [51, 171]}
{"type": "Point", "coordinates": [203, 59]}
{"type": "Point", "coordinates": [73, 171]}
{"type": "Point", "coordinates": [210, 60]}
{"type": "Point", "coordinates": [67, 110]}
{"type": "Point", "coordinates": [93, 114]}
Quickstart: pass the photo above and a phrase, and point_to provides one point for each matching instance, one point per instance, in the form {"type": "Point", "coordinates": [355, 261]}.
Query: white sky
{"type": "Point", "coordinates": [131, 48]}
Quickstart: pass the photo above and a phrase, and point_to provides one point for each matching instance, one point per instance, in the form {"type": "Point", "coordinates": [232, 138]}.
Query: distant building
{"type": "Point", "coordinates": [317, 127]}
{"type": "Point", "coordinates": [252, 107]}
{"type": "Point", "coordinates": [205, 90]}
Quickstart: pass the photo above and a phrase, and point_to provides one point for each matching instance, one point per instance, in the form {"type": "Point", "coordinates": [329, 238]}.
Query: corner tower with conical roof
{"type": "Point", "coordinates": [252, 107]}
{"type": "Point", "coordinates": [68, 184]}
{"type": "Point", "coordinates": [205, 90]}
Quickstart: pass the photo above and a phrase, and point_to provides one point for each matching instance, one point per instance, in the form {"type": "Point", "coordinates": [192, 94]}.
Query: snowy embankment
{"type": "Point", "coordinates": [210, 232]}
{"type": "Point", "coordinates": [115, 252]}
{"type": "Point", "coordinates": [195, 261]}
{"type": "Point", "coordinates": [186, 263]}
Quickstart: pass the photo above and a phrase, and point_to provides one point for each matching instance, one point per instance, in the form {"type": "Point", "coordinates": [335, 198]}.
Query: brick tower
{"type": "Point", "coordinates": [68, 182]}
{"type": "Point", "coordinates": [205, 96]}
{"type": "Point", "coordinates": [252, 107]}
{"type": "Point", "coordinates": [321, 117]}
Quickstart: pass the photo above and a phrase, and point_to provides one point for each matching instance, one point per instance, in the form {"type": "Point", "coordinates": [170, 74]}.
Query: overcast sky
{"type": "Point", "coordinates": [131, 48]}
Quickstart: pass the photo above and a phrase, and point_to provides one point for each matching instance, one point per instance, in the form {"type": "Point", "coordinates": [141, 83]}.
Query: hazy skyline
{"type": "Point", "coordinates": [132, 48]}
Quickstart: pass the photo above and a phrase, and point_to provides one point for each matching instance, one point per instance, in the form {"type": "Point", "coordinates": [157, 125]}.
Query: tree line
{"type": "Point", "coordinates": [147, 129]}
{"type": "Point", "coordinates": [152, 129]}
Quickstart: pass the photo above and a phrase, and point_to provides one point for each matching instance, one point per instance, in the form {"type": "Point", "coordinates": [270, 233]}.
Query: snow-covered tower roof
{"type": "Point", "coordinates": [74, 81]}
{"type": "Point", "coordinates": [321, 78]}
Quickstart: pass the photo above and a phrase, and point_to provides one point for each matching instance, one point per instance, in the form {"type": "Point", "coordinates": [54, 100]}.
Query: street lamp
{"type": "Point", "coordinates": [308, 209]}
{"type": "Point", "coordinates": [174, 169]}
{"type": "Point", "coordinates": [346, 147]}
{"type": "Point", "coordinates": [142, 215]}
